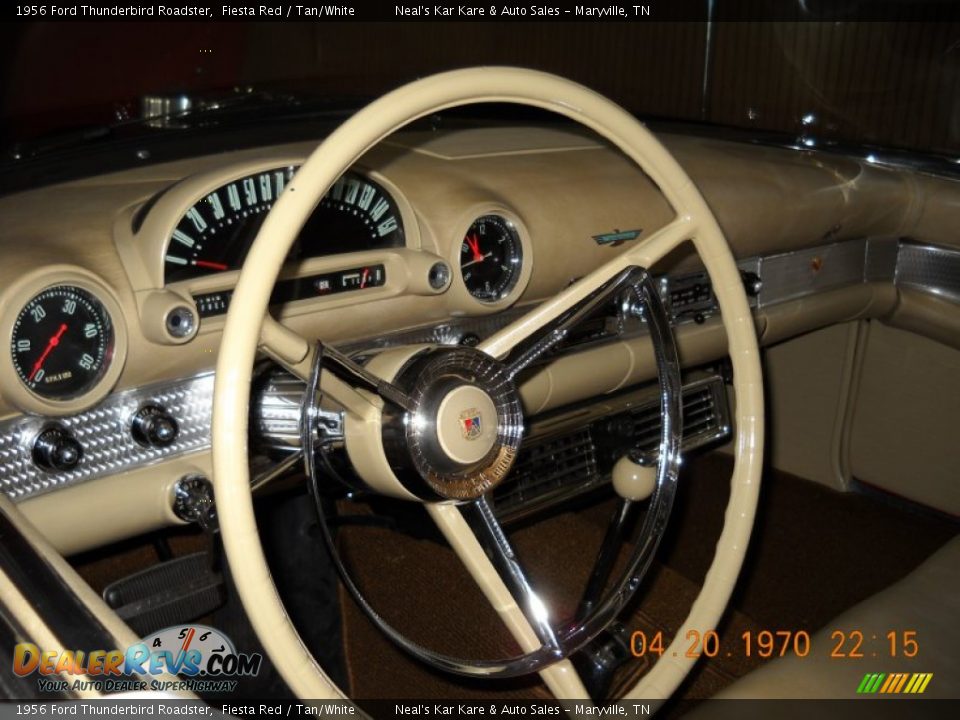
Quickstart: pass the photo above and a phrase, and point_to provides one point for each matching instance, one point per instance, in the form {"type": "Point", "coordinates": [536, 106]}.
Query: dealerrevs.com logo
{"type": "Point", "coordinates": [203, 657]}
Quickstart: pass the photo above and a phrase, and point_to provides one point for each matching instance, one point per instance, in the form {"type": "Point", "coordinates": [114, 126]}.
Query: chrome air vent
{"type": "Point", "coordinates": [705, 418]}
{"type": "Point", "coordinates": [563, 466]}
{"type": "Point", "coordinates": [548, 473]}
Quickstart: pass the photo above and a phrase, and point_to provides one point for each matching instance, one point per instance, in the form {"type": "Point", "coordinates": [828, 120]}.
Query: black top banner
{"type": "Point", "coordinates": [634, 11]}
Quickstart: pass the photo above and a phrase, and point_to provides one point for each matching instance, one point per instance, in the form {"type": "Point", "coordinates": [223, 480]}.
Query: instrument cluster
{"type": "Point", "coordinates": [67, 330]}
{"type": "Point", "coordinates": [215, 233]}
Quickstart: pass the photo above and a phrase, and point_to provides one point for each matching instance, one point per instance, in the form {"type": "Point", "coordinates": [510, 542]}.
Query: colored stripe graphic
{"type": "Point", "coordinates": [894, 683]}
{"type": "Point", "coordinates": [903, 681]}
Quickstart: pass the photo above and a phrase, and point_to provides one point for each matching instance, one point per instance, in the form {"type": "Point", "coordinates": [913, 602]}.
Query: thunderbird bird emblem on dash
{"type": "Point", "coordinates": [470, 424]}
{"type": "Point", "coordinates": [617, 237]}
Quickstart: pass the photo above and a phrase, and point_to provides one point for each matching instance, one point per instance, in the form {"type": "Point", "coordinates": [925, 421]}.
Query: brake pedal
{"type": "Point", "coordinates": [170, 593]}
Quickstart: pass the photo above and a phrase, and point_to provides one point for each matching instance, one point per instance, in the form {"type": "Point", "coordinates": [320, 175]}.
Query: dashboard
{"type": "Point", "coordinates": [115, 289]}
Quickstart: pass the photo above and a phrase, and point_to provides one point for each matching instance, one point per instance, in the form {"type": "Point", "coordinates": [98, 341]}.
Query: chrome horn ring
{"type": "Point", "coordinates": [555, 645]}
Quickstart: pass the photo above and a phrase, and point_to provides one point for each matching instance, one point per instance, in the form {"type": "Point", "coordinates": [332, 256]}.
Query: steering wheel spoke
{"type": "Point", "coordinates": [529, 625]}
{"type": "Point", "coordinates": [489, 533]}
{"type": "Point", "coordinates": [544, 338]}
{"type": "Point", "coordinates": [526, 339]}
{"type": "Point", "coordinates": [344, 377]}
{"type": "Point", "coordinates": [287, 348]}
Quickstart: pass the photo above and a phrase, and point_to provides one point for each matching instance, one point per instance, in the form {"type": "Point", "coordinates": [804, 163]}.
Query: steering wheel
{"type": "Point", "coordinates": [400, 407]}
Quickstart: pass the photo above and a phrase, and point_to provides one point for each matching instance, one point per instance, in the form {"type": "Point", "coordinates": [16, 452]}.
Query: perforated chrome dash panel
{"type": "Point", "coordinates": [104, 432]}
{"type": "Point", "coordinates": [932, 269]}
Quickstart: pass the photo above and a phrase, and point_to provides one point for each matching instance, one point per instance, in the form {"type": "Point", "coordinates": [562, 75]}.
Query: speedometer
{"type": "Point", "coordinates": [216, 232]}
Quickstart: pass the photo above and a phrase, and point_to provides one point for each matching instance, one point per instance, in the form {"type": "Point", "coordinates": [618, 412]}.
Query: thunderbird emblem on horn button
{"type": "Point", "coordinates": [470, 424]}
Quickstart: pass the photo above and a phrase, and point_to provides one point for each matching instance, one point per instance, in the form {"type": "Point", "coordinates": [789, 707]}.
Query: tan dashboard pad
{"type": "Point", "coordinates": [343, 148]}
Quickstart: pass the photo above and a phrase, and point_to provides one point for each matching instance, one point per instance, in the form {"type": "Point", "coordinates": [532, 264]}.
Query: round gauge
{"type": "Point", "coordinates": [62, 342]}
{"type": "Point", "coordinates": [491, 258]}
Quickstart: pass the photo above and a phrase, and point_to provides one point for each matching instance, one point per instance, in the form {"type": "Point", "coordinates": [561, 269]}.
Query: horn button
{"type": "Point", "coordinates": [464, 433]}
{"type": "Point", "coordinates": [466, 424]}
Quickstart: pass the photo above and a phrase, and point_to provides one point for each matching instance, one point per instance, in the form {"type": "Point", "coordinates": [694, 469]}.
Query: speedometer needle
{"type": "Point", "coordinates": [210, 265]}
{"type": "Point", "coordinates": [54, 341]}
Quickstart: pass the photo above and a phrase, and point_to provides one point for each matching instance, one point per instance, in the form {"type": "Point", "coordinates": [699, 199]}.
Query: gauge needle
{"type": "Point", "coordinates": [474, 243]}
{"type": "Point", "coordinates": [211, 265]}
{"type": "Point", "coordinates": [54, 341]}
{"type": "Point", "coordinates": [477, 259]}
{"type": "Point", "coordinates": [363, 278]}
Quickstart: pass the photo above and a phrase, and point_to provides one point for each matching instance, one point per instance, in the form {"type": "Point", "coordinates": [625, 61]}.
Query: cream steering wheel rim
{"type": "Point", "coordinates": [242, 338]}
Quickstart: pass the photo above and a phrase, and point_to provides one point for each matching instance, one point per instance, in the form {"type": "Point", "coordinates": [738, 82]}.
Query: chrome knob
{"type": "Point", "coordinates": [55, 449]}
{"type": "Point", "coordinates": [154, 426]}
{"type": "Point", "coordinates": [751, 283]}
{"type": "Point", "coordinates": [193, 501]}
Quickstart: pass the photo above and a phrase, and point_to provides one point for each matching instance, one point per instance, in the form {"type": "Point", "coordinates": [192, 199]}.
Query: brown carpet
{"type": "Point", "coordinates": [813, 555]}
{"type": "Point", "coordinates": [422, 590]}
{"type": "Point", "coordinates": [106, 565]}
{"type": "Point", "coordinates": [815, 552]}
{"type": "Point", "coordinates": [809, 561]}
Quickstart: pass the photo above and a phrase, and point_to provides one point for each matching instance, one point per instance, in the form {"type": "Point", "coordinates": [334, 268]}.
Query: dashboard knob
{"type": "Point", "coordinates": [154, 426]}
{"type": "Point", "coordinates": [57, 450]}
{"type": "Point", "coordinates": [751, 283]}
{"type": "Point", "coordinates": [193, 501]}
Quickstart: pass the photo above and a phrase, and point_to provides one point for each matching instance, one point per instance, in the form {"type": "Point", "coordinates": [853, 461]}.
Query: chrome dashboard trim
{"type": "Point", "coordinates": [109, 447]}
{"type": "Point", "coordinates": [880, 264]}
{"type": "Point", "coordinates": [800, 273]}
{"type": "Point", "coordinates": [104, 432]}
{"type": "Point", "coordinates": [933, 269]}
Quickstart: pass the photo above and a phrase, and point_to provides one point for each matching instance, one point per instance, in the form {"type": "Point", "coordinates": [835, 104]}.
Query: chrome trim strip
{"type": "Point", "coordinates": [935, 270]}
{"type": "Point", "coordinates": [880, 264]}
{"type": "Point", "coordinates": [805, 272]}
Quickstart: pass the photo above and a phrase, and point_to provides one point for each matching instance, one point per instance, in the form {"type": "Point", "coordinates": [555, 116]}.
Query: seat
{"type": "Point", "coordinates": [926, 601]}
